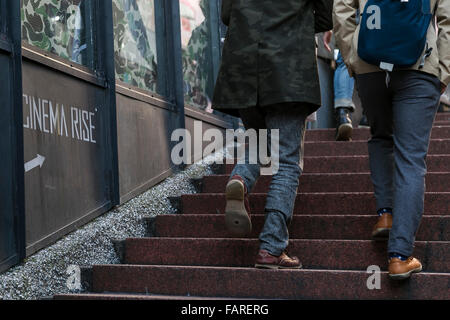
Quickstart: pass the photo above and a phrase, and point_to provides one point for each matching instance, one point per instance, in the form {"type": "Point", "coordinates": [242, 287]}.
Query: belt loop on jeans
{"type": "Point", "coordinates": [388, 67]}
{"type": "Point", "coordinates": [388, 79]}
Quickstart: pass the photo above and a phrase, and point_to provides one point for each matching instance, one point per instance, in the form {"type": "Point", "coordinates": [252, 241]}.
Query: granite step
{"type": "Point", "coordinates": [265, 284]}
{"type": "Point", "coordinates": [442, 116]}
{"type": "Point", "coordinates": [314, 254]}
{"type": "Point", "coordinates": [363, 134]}
{"type": "Point", "coordinates": [330, 182]}
{"type": "Point", "coordinates": [343, 227]}
{"type": "Point", "coordinates": [436, 203]}
{"type": "Point", "coordinates": [346, 164]}
{"type": "Point", "coordinates": [345, 148]}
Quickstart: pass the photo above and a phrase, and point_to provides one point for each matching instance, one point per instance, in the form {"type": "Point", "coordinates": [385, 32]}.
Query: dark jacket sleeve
{"type": "Point", "coordinates": [226, 11]}
{"type": "Point", "coordinates": [323, 13]}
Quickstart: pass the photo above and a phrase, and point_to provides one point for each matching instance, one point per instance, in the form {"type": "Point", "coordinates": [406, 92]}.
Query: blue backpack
{"type": "Point", "coordinates": [393, 33]}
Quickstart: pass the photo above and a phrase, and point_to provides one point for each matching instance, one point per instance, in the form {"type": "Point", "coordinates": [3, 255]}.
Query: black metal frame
{"type": "Point", "coordinates": [215, 35]}
{"type": "Point", "coordinates": [10, 43]}
{"type": "Point", "coordinates": [174, 67]}
{"type": "Point", "coordinates": [105, 59]}
{"type": "Point", "coordinates": [173, 62]}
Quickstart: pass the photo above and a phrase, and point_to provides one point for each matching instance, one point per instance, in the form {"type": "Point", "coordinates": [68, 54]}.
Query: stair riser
{"type": "Point", "coordinates": [335, 203]}
{"type": "Point", "coordinates": [443, 116]}
{"type": "Point", "coordinates": [302, 227]}
{"type": "Point", "coordinates": [315, 149]}
{"type": "Point", "coordinates": [314, 254]}
{"type": "Point", "coordinates": [350, 164]}
{"type": "Point", "coordinates": [242, 283]}
{"type": "Point", "coordinates": [354, 148]}
{"type": "Point", "coordinates": [326, 183]}
{"type": "Point", "coordinates": [441, 132]}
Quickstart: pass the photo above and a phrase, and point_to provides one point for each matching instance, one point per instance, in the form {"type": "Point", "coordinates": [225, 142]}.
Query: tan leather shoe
{"type": "Point", "coordinates": [399, 270]}
{"type": "Point", "coordinates": [267, 261]}
{"type": "Point", "coordinates": [382, 227]}
{"type": "Point", "coordinates": [237, 209]}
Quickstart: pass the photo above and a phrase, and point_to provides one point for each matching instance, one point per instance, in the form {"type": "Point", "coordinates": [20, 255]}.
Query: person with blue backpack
{"type": "Point", "coordinates": [400, 57]}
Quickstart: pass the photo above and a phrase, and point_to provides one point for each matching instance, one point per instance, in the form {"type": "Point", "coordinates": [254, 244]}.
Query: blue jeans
{"type": "Point", "coordinates": [401, 118]}
{"type": "Point", "coordinates": [343, 86]}
{"type": "Point", "coordinates": [325, 114]}
{"type": "Point", "coordinates": [290, 119]}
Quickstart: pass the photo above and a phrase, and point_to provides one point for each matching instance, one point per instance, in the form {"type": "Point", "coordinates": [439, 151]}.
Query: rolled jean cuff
{"type": "Point", "coordinates": [401, 247]}
{"type": "Point", "coordinates": [384, 204]}
{"type": "Point", "coordinates": [344, 103]}
{"type": "Point", "coordinates": [271, 250]}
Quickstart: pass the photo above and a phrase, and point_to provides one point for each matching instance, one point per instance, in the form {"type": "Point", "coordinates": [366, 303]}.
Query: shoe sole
{"type": "Point", "coordinates": [381, 234]}
{"type": "Point", "coordinates": [345, 132]}
{"type": "Point", "coordinates": [237, 220]}
{"type": "Point", "coordinates": [406, 275]}
{"type": "Point", "coordinates": [274, 267]}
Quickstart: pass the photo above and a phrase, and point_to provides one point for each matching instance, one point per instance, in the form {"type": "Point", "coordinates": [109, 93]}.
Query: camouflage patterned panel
{"type": "Point", "coordinates": [57, 26]}
{"type": "Point", "coordinates": [269, 53]}
{"type": "Point", "coordinates": [135, 43]}
{"type": "Point", "coordinates": [196, 52]}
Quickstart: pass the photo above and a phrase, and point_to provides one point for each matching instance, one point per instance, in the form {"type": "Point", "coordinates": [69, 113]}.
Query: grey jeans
{"type": "Point", "coordinates": [290, 119]}
{"type": "Point", "coordinates": [401, 118]}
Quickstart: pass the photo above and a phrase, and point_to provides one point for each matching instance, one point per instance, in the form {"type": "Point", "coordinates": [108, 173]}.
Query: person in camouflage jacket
{"type": "Point", "coordinates": [197, 63]}
{"type": "Point", "coordinates": [269, 53]}
{"type": "Point", "coordinates": [269, 77]}
{"type": "Point", "coordinates": [135, 48]}
{"type": "Point", "coordinates": [56, 27]}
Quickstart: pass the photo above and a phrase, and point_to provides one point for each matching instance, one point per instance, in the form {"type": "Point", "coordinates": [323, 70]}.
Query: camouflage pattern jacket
{"type": "Point", "coordinates": [56, 27]}
{"type": "Point", "coordinates": [269, 53]}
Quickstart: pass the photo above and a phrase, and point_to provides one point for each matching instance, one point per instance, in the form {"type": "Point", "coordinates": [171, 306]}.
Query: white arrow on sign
{"type": "Point", "coordinates": [36, 162]}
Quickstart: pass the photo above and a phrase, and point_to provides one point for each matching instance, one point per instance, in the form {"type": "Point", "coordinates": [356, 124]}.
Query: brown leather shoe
{"type": "Point", "coordinates": [399, 270]}
{"type": "Point", "coordinates": [383, 227]}
{"type": "Point", "coordinates": [237, 209]}
{"type": "Point", "coordinates": [267, 261]}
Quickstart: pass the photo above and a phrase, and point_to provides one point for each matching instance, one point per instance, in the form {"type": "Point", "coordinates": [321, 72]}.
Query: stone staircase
{"type": "Point", "coordinates": [190, 255]}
